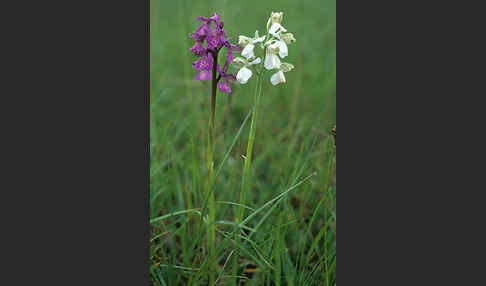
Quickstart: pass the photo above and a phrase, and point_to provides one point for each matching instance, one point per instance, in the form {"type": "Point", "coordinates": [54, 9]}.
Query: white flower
{"type": "Point", "coordinates": [249, 44]}
{"type": "Point", "coordinates": [282, 40]}
{"type": "Point", "coordinates": [276, 29]}
{"type": "Point", "coordinates": [280, 45]}
{"type": "Point", "coordinates": [248, 51]}
{"type": "Point", "coordinates": [275, 17]}
{"type": "Point", "coordinates": [273, 24]}
{"type": "Point", "coordinates": [279, 77]}
{"type": "Point", "coordinates": [244, 73]}
{"type": "Point", "coordinates": [283, 51]}
{"type": "Point", "coordinates": [271, 59]}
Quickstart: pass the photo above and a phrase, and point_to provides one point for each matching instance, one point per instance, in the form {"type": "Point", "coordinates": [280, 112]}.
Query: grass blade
{"type": "Point", "coordinates": [160, 218]}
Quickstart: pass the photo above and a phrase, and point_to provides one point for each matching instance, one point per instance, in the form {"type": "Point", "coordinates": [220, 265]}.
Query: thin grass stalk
{"type": "Point", "coordinates": [332, 163]}
{"type": "Point", "coordinates": [277, 252]}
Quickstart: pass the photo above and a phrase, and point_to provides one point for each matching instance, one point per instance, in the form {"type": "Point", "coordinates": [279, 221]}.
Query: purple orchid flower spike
{"type": "Point", "coordinates": [210, 39]}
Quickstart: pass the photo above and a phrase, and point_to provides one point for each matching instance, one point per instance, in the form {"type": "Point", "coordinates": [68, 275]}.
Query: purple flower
{"type": "Point", "coordinates": [225, 77]}
{"type": "Point", "coordinates": [217, 39]}
{"type": "Point", "coordinates": [201, 33]}
{"type": "Point", "coordinates": [209, 39]}
{"type": "Point", "coordinates": [205, 63]}
{"type": "Point", "coordinates": [223, 85]}
{"type": "Point", "coordinates": [198, 49]}
{"type": "Point", "coordinates": [203, 75]}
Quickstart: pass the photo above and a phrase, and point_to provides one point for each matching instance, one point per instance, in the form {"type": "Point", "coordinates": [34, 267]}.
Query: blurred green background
{"type": "Point", "coordinates": [292, 139]}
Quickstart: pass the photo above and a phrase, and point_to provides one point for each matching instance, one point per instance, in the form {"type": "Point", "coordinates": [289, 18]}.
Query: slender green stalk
{"type": "Point", "coordinates": [277, 252]}
{"type": "Point", "coordinates": [246, 168]}
{"type": "Point", "coordinates": [211, 239]}
{"type": "Point", "coordinates": [249, 150]}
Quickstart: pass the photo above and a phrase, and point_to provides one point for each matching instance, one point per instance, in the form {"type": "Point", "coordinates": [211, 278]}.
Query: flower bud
{"type": "Point", "coordinates": [273, 47]}
{"type": "Point", "coordinates": [286, 67]}
{"type": "Point", "coordinates": [275, 17]}
{"type": "Point", "coordinates": [243, 41]}
{"type": "Point", "coordinates": [288, 38]}
{"type": "Point", "coordinates": [255, 62]}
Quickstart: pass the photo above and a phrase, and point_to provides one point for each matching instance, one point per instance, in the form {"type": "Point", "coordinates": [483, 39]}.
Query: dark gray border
{"type": "Point", "coordinates": [78, 163]}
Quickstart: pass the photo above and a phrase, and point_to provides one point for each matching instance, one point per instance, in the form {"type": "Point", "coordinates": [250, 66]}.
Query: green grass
{"type": "Point", "coordinates": [288, 234]}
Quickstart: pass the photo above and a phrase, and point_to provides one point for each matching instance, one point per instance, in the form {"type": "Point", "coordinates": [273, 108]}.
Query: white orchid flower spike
{"type": "Point", "coordinates": [273, 45]}
{"type": "Point", "coordinates": [279, 77]}
{"type": "Point", "coordinates": [249, 44]}
{"type": "Point", "coordinates": [244, 74]}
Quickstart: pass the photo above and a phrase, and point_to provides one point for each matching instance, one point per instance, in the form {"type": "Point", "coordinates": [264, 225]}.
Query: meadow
{"type": "Point", "coordinates": [289, 237]}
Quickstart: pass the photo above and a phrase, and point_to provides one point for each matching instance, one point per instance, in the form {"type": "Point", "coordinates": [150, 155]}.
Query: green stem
{"type": "Point", "coordinates": [249, 149]}
{"type": "Point", "coordinates": [246, 169]}
{"type": "Point", "coordinates": [212, 212]}
{"type": "Point", "coordinates": [277, 253]}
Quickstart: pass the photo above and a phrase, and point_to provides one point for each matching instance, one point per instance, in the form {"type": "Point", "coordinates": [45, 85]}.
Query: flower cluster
{"type": "Point", "coordinates": [275, 48]}
{"type": "Point", "coordinates": [209, 39]}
